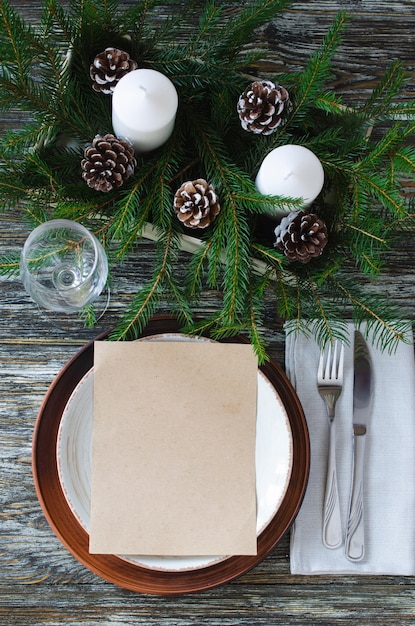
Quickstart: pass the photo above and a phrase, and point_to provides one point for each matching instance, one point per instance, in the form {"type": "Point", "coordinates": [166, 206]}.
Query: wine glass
{"type": "Point", "coordinates": [64, 268]}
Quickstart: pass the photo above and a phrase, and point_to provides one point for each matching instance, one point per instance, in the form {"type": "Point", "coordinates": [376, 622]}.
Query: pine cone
{"type": "Point", "coordinates": [108, 68]}
{"type": "Point", "coordinates": [107, 163]}
{"type": "Point", "coordinates": [263, 106]}
{"type": "Point", "coordinates": [301, 236]}
{"type": "Point", "coordinates": [196, 203]}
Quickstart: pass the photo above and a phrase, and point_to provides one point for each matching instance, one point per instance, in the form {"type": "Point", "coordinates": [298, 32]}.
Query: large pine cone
{"type": "Point", "coordinates": [263, 106]}
{"type": "Point", "coordinates": [301, 236]}
{"type": "Point", "coordinates": [107, 163]}
{"type": "Point", "coordinates": [109, 67]}
{"type": "Point", "coordinates": [196, 203]}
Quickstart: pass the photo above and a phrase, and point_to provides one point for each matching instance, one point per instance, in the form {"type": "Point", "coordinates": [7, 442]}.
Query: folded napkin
{"type": "Point", "coordinates": [389, 482]}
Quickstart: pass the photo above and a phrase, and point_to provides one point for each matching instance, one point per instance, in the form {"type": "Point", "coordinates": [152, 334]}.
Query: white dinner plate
{"type": "Point", "coordinates": [274, 460]}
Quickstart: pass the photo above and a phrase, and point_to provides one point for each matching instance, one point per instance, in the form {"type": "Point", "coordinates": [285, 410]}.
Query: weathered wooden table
{"type": "Point", "coordinates": [40, 582]}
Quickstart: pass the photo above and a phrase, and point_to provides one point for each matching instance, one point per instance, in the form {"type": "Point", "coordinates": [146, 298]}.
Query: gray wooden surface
{"type": "Point", "coordinates": [40, 582]}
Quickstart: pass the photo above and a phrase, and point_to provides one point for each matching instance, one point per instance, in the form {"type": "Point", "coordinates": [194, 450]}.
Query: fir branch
{"type": "Point", "coordinates": [88, 316]}
{"type": "Point", "coordinates": [142, 307]}
{"type": "Point", "coordinates": [381, 97]}
{"type": "Point", "coordinates": [89, 14]}
{"type": "Point", "coordinates": [382, 320]}
{"type": "Point", "coordinates": [44, 171]}
{"type": "Point", "coordinates": [125, 211]}
{"type": "Point", "coordinates": [234, 235]}
{"type": "Point", "coordinates": [205, 326]}
{"type": "Point", "coordinates": [205, 37]}
{"type": "Point", "coordinates": [400, 111]}
{"type": "Point", "coordinates": [13, 31]}
{"type": "Point", "coordinates": [269, 255]}
{"type": "Point", "coordinates": [366, 245]}
{"type": "Point", "coordinates": [136, 16]}
{"type": "Point", "coordinates": [378, 187]}
{"type": "Point", "coordinates": [254, 14]}
{"type": "Point", "coordinates": [365, 232]}
{"type": "Point", "coordinates": [385, 146]}
{"type": "Point", "coordinates": [145, 303]}
{"type": "Point", "coordinates": [403, 161]}
{"type": "Point", "coordinates": [219, 332]}
{"type": "Point", "coordinates": [323, 331]}
{"type": "Point", "coordinates": [11, 189]}
{"type": "Point", "coordinates": [323, 308]}
{"type": "Point", "coordinates": [196, 273]}
{"type": "Point", "coordinates": [180, 304]}
{"type": "Point", "coordinates": [256, 312]}
{"type": "Point", "coordinates": [25, 138]}
{"type": "Point", "coordinates": [126, 245]}
{"type": "Point", "coordinates": [66, 28]}
{"type": "Point", "coordinates": [330, 103]}
{"type": "Point", "coordinates": [10, 265]}
{"type": "Point", "coordinates": [317, 71]}
{"type": "Point", "coordinates": [236, 275]}
{"type": "Point", "coordinates": [18, 78]}
{"type": "Point", "coordinates": [86, 213]}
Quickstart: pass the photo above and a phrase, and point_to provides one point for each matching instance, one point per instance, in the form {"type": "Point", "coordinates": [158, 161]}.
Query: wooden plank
{"type": "Point", "coordinates": [40, 582]}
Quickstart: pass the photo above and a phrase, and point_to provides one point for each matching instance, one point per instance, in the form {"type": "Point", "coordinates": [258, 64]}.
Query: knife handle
{"type": "Point", "coordinates": [332, 528]}
{"type": "Point", "coordinates": [355, 538]}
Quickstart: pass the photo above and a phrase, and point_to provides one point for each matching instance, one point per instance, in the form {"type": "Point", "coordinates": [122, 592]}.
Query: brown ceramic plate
{"type": "Point", "coordinates": [123, 572]}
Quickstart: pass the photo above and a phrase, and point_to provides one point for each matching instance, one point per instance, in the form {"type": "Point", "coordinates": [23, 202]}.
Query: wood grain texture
{"type": "Point", "coordinates": [40, 582]}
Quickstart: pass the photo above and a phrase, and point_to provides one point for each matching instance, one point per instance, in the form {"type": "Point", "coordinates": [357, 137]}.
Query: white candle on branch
{"type": "Point", "coordinates": [144, 106]}
{"type": "Point", "coordinates": [293, 172]}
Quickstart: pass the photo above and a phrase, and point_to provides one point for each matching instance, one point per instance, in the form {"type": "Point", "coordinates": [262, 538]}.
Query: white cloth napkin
{"type": "Point", "coordinates": [389, 482]}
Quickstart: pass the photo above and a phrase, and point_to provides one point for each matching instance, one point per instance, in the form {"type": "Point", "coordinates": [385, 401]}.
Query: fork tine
{"type": "Point", "coordinates": [328, 363]}
{"type": "Point", "coordinates": [341, 362]}
{"type": "Point", "coordinates": [320, 366]}
{"type": "Point", "coordinates": [334, 364]}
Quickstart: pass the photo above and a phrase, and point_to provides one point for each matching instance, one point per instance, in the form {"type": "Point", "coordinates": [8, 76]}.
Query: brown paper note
{"type": "Point", "coordinates": [173, 464]}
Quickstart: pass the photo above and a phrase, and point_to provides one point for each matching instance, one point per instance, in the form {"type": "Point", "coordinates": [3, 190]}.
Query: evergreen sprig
{"type": "Point", "coordinates": [364, 149]}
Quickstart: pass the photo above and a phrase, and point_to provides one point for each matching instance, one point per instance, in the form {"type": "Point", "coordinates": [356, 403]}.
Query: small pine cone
{"type": "Point", "coordinates": [263, 106]}
{"type": "Point", "coordinates": [196, 203]}
{"type": "Point", "coordinates": [301, 236]}
{"type": "Point", "coordinates": [108, 68]}
{"type": "Point", "coordinates": [107, 163]}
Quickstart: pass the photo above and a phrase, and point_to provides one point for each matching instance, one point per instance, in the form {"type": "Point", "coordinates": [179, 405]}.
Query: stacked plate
{"type": "Point", "coordinates": [62, 453]}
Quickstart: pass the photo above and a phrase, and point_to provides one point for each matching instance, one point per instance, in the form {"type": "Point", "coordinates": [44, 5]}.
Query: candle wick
{"type": "Point", "coordinates": [143, 89]}
{"type": "Point", "coordinates": [287, 176]}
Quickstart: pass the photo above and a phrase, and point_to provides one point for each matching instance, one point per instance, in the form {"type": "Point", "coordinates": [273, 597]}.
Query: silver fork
{"type": "Point", "coordinates": [330, 384]}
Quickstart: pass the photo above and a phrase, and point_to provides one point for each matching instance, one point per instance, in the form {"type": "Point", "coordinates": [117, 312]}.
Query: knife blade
{"type": "Point", "coordinates": [362, 402]}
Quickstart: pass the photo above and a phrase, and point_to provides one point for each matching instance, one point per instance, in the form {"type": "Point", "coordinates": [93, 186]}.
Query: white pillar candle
{"type": "Point", "coordinates": [291, 171]}
{"type": "Point", "coordinates": [144, 106]}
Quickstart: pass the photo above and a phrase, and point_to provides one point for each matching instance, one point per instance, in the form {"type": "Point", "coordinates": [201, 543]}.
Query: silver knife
{"type": "Point", "coordinates": [362, 401]}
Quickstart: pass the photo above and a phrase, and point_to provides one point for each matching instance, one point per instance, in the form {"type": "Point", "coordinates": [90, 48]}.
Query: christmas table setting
{"type": "Point", "coordinates": [239, 217]}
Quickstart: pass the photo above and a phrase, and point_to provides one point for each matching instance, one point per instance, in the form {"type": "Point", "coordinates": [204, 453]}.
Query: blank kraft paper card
{"type": "Point", "coordinates": [173, 463]}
